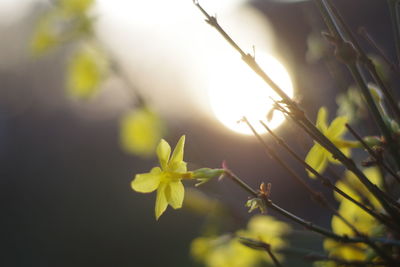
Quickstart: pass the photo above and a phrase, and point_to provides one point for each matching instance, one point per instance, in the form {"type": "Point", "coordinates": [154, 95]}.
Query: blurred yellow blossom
{"type": "Point", "coordinates": [364, 222]}
{"type": "Point", "coordinates": [75, 6]}
{"type": "Point", "coordinates": [229, 252]}
{"type": "Point", "coordinates": [64, 21]}
{"type": "Point", "coordinates": [198, 202]}
{"type": "Point", "coordinates": [318, 157]}
{"type": "Point", "coordinates": [45, 35]}
{"type": "Point", "coordinates": [86, 70]}
{"type": "Point", "coordinates": [167, 179]}
{"type": "Point", "coordinates": [140, 131]}
{"type": "Point", "coordinates": [352, 186]}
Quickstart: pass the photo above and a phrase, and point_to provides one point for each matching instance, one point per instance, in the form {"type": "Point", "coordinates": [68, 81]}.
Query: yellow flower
{"type": "Point", "coordinates": [45, 36]}
{"type": "Point", "coordinates": [352, 186]}
{"type": "Point", "coordinates": [318, 157]}
{"type": "Point", "coordinates": [140, 132]}
{"type": "Point", "coordinates": [167, 179]}
{"type": "Point", "coordinates": [229, 252]}
{"type": "Point", "coordinates": [364, 222]}
{"type": "Point", "coordinates": [86, 70]}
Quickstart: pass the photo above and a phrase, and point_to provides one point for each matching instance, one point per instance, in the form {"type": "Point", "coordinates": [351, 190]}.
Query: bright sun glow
{"type": "Point", "coordinates": [236, 91]}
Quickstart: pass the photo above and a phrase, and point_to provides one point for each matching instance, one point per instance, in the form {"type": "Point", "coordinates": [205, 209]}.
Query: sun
{"type": "Point", "coordinates": [235, 91]}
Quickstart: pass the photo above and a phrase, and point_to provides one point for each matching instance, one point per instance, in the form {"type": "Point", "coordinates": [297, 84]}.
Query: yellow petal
{"type": "Point", "coordinates": [163, 153]}
{"type": "Point", "coordinates": [161, 201]}
{"type": "Point", "coordinates": [267, 225]}
{"type": "Point", "coordinates": [176, 160]}
{"type": "Point", "coordinates": [147, 182]}
{"type": "Point", "coordinates": [175, 193]}
{"type": "Point", "coordinates": [337, 128]}
{"type": "Point", "coordinates": [317, 158]}
{"type": "Point", "coordinates": [322, 118]}
{"type": "Point", "coordinates": [339, 227]}
{"type": "Point", "coordinates": [346, 189]}
{"type": "Point", "coordinates": [374, 175]}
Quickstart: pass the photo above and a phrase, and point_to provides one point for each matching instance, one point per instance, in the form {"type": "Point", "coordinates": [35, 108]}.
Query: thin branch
{"type": "Point", "coordinates": [394, 16]}
{"type": "Point", "coordinates": [373, 153]}
{"type": "Point", "coordinates": [364, 33]}
{"type": "Point", "coordinates": [352, 53]}
{"type": "Point", "coordinates": [308, 225]}
{"type": "Point", "coordinates": [273, 257]}
{"type": "Point", "coordinates": [326, 182]}
{"type": "Point", "coordinates": [299, 114]}
{"type": "Point", "coordinates": [312, 256]}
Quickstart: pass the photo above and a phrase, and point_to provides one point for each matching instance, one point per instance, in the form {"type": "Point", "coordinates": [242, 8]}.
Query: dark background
{"type": "Point", "coordinates": [65, 183]}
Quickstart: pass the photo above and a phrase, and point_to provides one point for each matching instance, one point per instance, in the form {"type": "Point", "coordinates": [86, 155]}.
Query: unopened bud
{"type": "Point", "coordinates": [203, 175]}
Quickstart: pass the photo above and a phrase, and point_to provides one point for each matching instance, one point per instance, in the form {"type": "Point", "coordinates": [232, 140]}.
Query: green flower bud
{"type": "Point", "coordinates": [372, 141]}
{"type": "Point", "coordinates": [203, 175]}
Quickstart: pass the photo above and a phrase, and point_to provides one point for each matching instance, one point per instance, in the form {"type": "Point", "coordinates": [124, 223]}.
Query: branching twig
{"type": "Point", "coordinates": [326, 182]}
{"type": "Point", "coordinates": [371, 152]}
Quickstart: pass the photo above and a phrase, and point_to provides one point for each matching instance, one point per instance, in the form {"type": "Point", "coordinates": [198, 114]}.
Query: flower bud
{"type": "Point", "coordinates": [203, 175]}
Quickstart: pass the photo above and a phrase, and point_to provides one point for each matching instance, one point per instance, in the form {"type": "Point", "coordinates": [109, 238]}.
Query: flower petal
{"type": "Point", "coordinates": [322, 118]}
{"type": "Point", "coordinates": [163, 153]}
{"type": "Point", "coordinates": [175, 193]}
{"type": "Point", "coordinates": [317, 158]}
{"type": "Point", "coordinates": [176, 160]}
{"type": "Point", "coordinates": [147, 182]}
{"type": "Point", "coordinates": [337, 128]}
{"type": "Point", "coordinates": [161, 200]}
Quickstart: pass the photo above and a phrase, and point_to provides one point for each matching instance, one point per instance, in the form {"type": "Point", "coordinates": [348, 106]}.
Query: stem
{"type": "Point", "coordinates": [375, 111]}
{"type": "Point", "coordinates": [316, 196]}
{"type": "Point", "coordinates": [394, 15]}
{"type": "Point", "coordinates": [309, 225]}
{"type": "Point", "coordinates": [274, 259]}
{"type": "Point", "coordinates": [309, 255]}
{"type": "Point", "coordinates": [241, 183]}
{"type": "Point", "coordinates": [297, 112]}
{"type": "Point", "coordinates": [334, 13]}
{"type": "Point", "coordinates": [364, 33]}
{"type": "Point", "coordinates": [326, 182]}
{"type": "Point", "coordinates": [372, 153]}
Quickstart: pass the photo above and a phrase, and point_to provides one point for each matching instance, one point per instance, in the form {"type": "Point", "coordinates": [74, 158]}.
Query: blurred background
{"type": "Point", "coordinates": [65, 173]}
